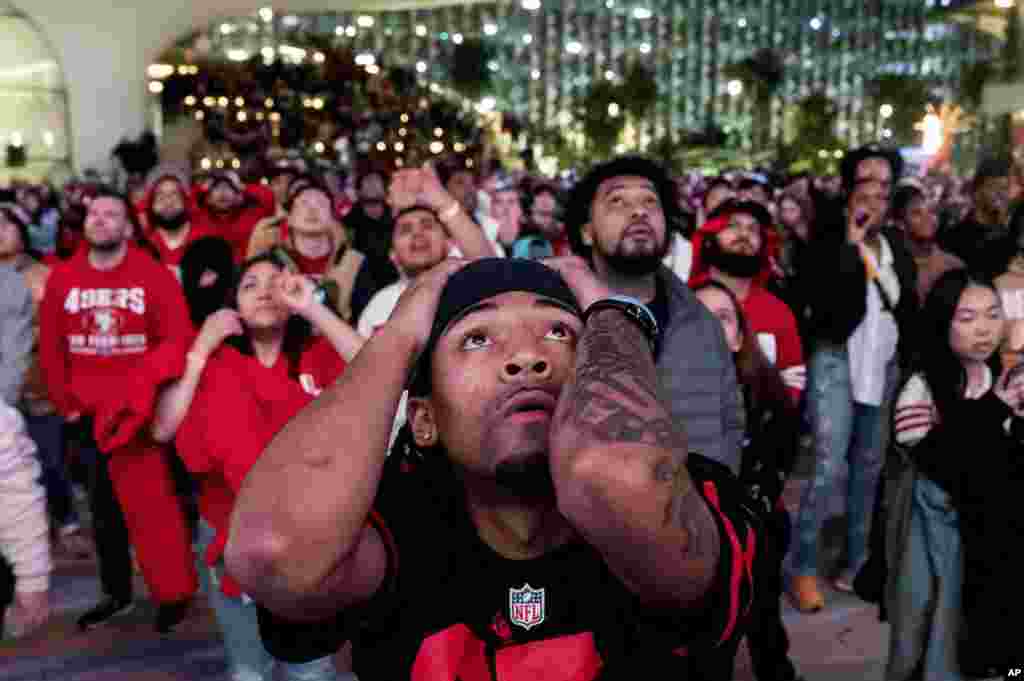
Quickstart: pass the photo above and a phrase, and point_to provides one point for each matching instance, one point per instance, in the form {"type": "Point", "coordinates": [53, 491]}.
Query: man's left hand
{"type": "Point", "coordinates": [580, 278]}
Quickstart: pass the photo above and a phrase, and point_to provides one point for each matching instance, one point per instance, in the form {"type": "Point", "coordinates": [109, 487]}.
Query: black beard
{"type": "Point", "coordinates": [733, 264]}
{"type": "Point", "coordinates": [106, 246]}
{"type": "Point", "coordinates": [171, 224]}
{"type": "Point", "coordinates": [530, 479]}
{"type": "Point", "coordinates": [637, 265]}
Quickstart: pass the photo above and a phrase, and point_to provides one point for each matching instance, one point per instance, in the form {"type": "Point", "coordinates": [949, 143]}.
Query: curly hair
{"type": "Point", "coordinates": [581, 198]}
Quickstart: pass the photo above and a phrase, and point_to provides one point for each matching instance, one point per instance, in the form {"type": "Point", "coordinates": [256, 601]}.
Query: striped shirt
{"type": "Point", "coordinates": [916, 413]}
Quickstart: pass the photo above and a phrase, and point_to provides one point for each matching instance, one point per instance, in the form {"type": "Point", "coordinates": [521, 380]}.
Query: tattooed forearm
{"type": "Point", "coordinates": [614, 394]}
{"type": "Point", "coordinates": [636, 505]}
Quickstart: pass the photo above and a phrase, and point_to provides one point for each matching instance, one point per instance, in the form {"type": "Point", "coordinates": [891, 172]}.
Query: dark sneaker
{"type": "Point", "coordinates": [106, 610]}
{"type": "Point", "coordinates": [170, 615]}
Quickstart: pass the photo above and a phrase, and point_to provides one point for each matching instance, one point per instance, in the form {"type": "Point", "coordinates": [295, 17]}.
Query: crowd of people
{"type": "Point", "coordinates": [447, 423]}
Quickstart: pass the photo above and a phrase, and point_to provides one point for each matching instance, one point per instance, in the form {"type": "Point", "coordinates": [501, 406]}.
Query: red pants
{"type": "Point", "coordinates": [156, 523]}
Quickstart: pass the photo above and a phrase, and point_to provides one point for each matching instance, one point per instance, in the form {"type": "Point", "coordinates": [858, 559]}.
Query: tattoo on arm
{"type": "Point", "coordinates": [613, 397]}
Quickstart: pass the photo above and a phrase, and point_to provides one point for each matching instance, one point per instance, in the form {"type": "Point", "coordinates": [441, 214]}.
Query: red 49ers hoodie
{"type": "Point", "coordinates": [97, 326]}
{"type": "Point", "coordinates": [108, 335]}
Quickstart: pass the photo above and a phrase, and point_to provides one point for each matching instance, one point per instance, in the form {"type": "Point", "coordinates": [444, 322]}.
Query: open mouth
{"type": "Point", "coordinates": [530, 404]}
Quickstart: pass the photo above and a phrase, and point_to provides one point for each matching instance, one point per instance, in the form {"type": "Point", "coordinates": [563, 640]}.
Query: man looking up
{"type": "Point", "coordinates": [617, 218]}
{"type": "Point", "coordinates": [548, 469]}
{"type": "Point", "coordinates": [230, 210]}
{"type": "Point", "coordinates": [732, 249]}
{"type": "Point", "coordinates": [169, 219]}
{"type": "Point", "coordinates": [111, 320]}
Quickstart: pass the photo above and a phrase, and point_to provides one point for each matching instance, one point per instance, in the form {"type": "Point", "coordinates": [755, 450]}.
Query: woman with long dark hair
{"type": "Point", "coordinates": [953, 522]}
{"type": "Point", "coordinates": [250, 369]}
{"type": "Point", "coordinates": [772, 438]}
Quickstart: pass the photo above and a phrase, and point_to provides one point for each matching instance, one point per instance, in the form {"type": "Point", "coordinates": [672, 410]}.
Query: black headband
{"type": "Point", "coordinates": [478, 281]}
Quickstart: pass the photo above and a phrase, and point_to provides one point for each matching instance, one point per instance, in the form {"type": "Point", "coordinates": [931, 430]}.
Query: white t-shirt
{"type": "Point", "coordinates": [873, 343]}
{"type": "Point", "coordinates": [680, 257]}
{"type": "Point", "coordinates": [380, 307]}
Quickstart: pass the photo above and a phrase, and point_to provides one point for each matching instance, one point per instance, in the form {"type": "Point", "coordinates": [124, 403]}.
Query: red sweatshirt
{"type": "Point", "coordinates": [98, 329]}
{"type": "Point", "coordinates": [236, 229]}
{"type": "Point", "coordinates": [238, 407]}
{"type": "Point", "coordinates": [773, 324]}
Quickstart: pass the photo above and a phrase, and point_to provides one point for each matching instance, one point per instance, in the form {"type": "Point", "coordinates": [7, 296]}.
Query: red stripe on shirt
{"type": "Point", "coordinates": [711, 494]}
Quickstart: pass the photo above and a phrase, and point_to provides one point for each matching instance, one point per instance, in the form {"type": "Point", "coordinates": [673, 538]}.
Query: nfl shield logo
{"type": "Point", "coordinates": [526, 606]}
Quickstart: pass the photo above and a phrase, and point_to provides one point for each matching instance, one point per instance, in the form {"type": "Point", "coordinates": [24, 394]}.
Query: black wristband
{"type": "Point", "coordinates": [634, 310]}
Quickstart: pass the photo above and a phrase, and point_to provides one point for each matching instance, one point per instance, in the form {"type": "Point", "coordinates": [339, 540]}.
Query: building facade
{"type": "Point", "coordinates": [546, 53]}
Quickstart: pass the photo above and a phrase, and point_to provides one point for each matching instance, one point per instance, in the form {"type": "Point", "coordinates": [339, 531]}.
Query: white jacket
{"type": "Point", "coordinates": [24, 527]}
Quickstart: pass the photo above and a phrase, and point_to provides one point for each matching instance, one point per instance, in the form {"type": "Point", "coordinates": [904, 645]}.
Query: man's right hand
{"type": "Point", "coordinates": [857, 225]}
{"type": "Point", "coordinates": [217, 327]}
{"type": "Point", "coordinates": [413, 316]}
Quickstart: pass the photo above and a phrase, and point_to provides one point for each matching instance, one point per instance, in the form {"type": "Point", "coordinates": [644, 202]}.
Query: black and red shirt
{"type": "Point", "coordinates": [452, 608]}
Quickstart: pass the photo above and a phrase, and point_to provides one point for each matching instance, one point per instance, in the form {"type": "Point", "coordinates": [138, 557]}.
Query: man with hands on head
{"type": "Point", "coordinates": [541, 514]}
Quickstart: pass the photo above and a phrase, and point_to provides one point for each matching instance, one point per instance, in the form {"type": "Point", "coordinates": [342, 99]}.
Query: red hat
{"type": "Point", "coordinates": [700, 271]}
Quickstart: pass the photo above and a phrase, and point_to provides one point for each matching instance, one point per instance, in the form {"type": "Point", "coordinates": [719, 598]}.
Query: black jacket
{"type": "Point", "coordinates": [770, 444]}
{"type": "Point", "coordinates": [372, 238]}
{"type": "Point", "coordinates": [984, 248]}
{"type": "Point", "coordinates": [979, 461]}
{"type": "Point", "coordinates": [834, 285]}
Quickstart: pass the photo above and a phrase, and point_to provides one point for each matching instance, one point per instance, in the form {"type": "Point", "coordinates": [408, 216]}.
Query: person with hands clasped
{"type": "Point", "coordinates": [540, 514]}
{"type": "Point", "coordinates": [954, 593]}
{"type": "Point", "coordinates": [249, 370]}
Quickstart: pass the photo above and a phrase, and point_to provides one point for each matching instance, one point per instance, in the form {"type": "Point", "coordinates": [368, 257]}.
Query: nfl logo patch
{"type": "Point", "coordinates": [526, 606]}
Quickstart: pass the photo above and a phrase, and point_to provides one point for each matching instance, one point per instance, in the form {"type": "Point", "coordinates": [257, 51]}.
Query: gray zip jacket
{"type": "Point", "coordinates": [698, 376]}
{"type": "Point", "coordinates": [16, 335]}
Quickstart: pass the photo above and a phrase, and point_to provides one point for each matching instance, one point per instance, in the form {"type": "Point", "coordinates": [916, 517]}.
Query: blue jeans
{"type": "Point", "coordinates": [247, 659]}
{"type": "Point", "coordinates": [843, 430]}
{"type": "Point", "coordinates": [48, 434]}
{"type": "Point", "coordinates": [927, 625]}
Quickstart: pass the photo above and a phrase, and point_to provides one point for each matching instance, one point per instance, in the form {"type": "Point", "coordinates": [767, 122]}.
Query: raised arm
{"type": "Point", "coordinates": [299, 540]}
{"type": "Point", "coordinates": [619, 462]}
{"type": "Point", "coordinates": [176, 399]}
{"type": "Point", "coordinates": [297, 291]}
{"type": "Point", "coordinates": [422, 186]}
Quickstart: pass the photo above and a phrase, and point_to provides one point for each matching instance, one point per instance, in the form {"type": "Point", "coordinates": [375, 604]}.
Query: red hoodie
{"type": "Point", "coordinates": [99, 327]}
{"type": "Point", "coordinates": [237, 409]}
{"type": "Point", "coordinates": [770, 320]}
{"type": "Point", "coordinates": [236, 228]}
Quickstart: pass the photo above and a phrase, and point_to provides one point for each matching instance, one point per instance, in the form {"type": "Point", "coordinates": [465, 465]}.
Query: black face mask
{"type": "Point", "coordinates": [171, 223]}
{"type": "Point", "coordinates": [733, 264]}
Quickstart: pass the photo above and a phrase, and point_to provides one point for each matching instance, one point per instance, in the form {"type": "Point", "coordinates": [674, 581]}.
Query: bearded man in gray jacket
{"type": "Point", "coordinates": [619, 218]}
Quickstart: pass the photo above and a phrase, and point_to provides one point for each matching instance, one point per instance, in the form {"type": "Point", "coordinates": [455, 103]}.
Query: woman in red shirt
{"type": "Point", "coordinates": [249, 370]}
